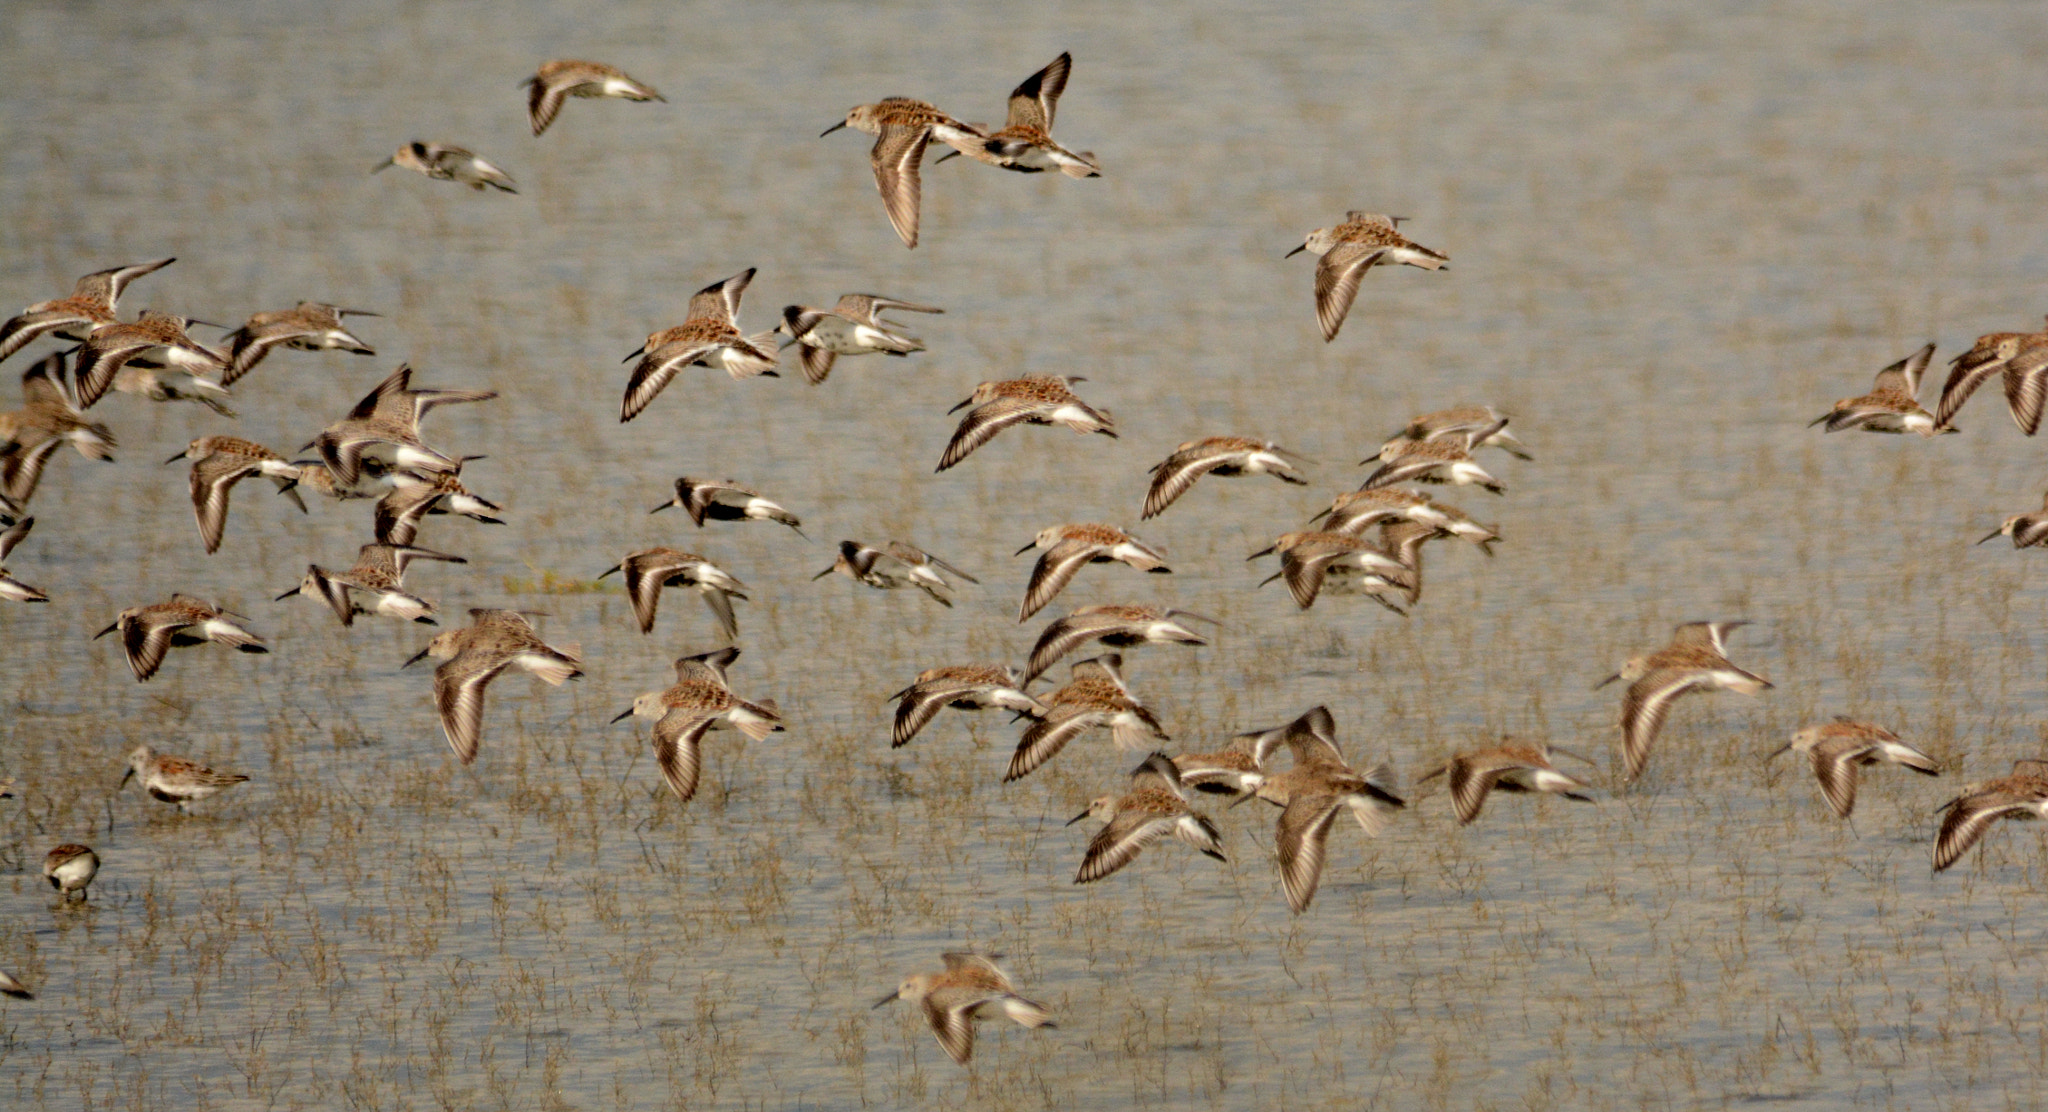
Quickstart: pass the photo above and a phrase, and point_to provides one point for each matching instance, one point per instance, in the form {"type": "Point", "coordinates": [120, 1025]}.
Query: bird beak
{"type": "Point", "coordinates": [663, 506]}
{"type": "Point", "coordinates": [892, 997]}
{"type": "Point", "coordinates": [826, 572]}
{"type": "Point", "coordinates": [181, 455]}
{"type": "Point", "coordinates": [609, 570]}
{"type": "Point", "coordinates": [1266, 551]}
{"type": "Point", "coordinates": [1026, 548]}
{"type": "Point", "coordinates": [961, 406]}
{"type": "Point", "coordinates": [1240, 799]}
{"type": "Point", "coordinates": [104, 632]}
{"type": "Point", "coordinates": [632, 355]}
{"type": "Point", "coordinates": [628, 713]}
{"type": "Point", "coordinates": [1779, 753]}
{"type": "Point", "coordinates": [124, 780]}
{"type": "Point", "coordinates": [1296, 251]}
{"type": "Point", "coordinates": [1994, 533]}
{"type": "Point", "coordinates": [383, 165]}
{"type": "Point", "coordinates": [1608, 680]}
{"type": "Point", "coordinates": [416, 657]}
{"type": "Point", "coordinates": [286, 595]}
{"type": "Point", "coordinates": [821, 135]}
{"type": "Point", "coordinates": [1077, 818]}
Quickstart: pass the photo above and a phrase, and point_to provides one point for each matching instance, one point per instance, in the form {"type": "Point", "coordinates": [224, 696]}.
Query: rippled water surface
{"type": "Point", "coordinates": [1678, 233]}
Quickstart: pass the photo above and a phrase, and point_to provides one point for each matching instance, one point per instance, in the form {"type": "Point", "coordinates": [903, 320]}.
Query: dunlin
{"type": "Point", "coordinates": [899, 565]}
{"type": "Point", "coordinates": [1311, 795]}
{"type": "Point", "coordinates": [387, 421]}
{"type": "Point", "coordinates": [89, 308]}
{"type": "Point", "coordinates": [1837, 749]}
{"type": "Point", "coordinates": [1038, 400]}
{"type": "Point", "coordinates": [1239, 767]}
{"type": "Point", "coordinates": [708, 337]}
{"type": "Point", "coordinates": [1891, 405]}
{"type": "Point", "coordinates": [11, 986]}
{"type": "Point", "coordinates": [50, 417]}
{"type": "Point", "coordinates": [1511, 766]}
{"type": "Point", "coordinates": [160, 336]}
{"type": "Point", "coordinates": [12, 589]}
{"type": "Point", "coordinates": [218, 463]}
{"type": "Point", "coordinates": [854, 326]}
{"type": "Point", "coordinates": [374, 478]}
{"type": "Point", "coordinates": [1307, 558]}
{"type": "Point", "coordinates": [1154, 808]}
{"type": "Point", "coordinates": [478, 653]}
{"type": "Point", "coordinates": [447, 162]}
{"type": "Point", "coordinates": [157, 383]}
{"type": "Point", "coordinates": [646, 572]}
{"type": "Point", "coordinates": [1025, 143]}
{"type": "Point", "coordinates": [563, 78]}
{"type": "Point", "coordinates": [1487, 425]}
{"type": "Point", "coordinates": [699, 701]}
{"type": "Point", "coordinates": [1216, 455]}
{"type": "Point", "coordinates": [1119, 627]}
{"type": "Point", "coordinates": [1069, 548]}
{"type": "Point", "coordinates": [1695, 660]}
{"type": "Point", "coordinates": [1354, 512]}
{"type": "Point", "coordinates": [148, 632]}
{"type": "Point", "coordinates": [1095, 697]}
{"type": "Point", "coordinates": [70, 868]}
{"type": "Point", "coordinates": [174, 779]}
{"type": "Point", "coordinates": [954, 999]}
{"type": "Point", "coordinates": [1364, 240]}
{"type": "Point", "coordinates": [962, 687]}
{"type": "Point", "coordinates": [726, 500]}
{"type": "Point", "coordinates": [307, 326]}
{"type": "Point", "coordinates": [2021, 794]}
{"type": "Point", "coordinates": [415, 494]}
{"type": "Point", "coordinates": [2022, 357]}
{"type": "Point", "coordinates": [2026, 530]}
{"type": "Point", "coordinates": [375, 585]}
{"type": "Point", "coordinates": [902, 128]}
{"type": "Point", "coordinates": [1447, 460]}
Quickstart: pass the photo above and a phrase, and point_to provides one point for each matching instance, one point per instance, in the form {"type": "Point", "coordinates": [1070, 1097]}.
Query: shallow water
{"type": "Point", "coordinates": [1677, 235]}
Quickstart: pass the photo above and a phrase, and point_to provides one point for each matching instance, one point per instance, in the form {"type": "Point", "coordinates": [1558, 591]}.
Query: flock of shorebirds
{"type": "Point", "coordinates": [1368, 542]}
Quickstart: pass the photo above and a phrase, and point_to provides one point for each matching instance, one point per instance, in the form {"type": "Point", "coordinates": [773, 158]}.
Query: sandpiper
{"type": "Point", "coordinates": [1695, 660]}
{"type": "Point", "coordinates": [1511, 766]}
{"type": "Point", "coordinates": [12, 589]}
{"type": "Point", "coordinates": [478, 653]}
{"type": "Point", "coordinates": [726, 500]}
{"type": "Point", "coordinates": [1095, 697]}
{"type": "Point", "coordinates": [1037, 400]}
{"type": "Point", "coordinates": [1216, 455]}
{"type": "Point", "coordinates": [218, 463]}
{"type": "Point", "coordinates": [699, 701]}
{"type": "Point", "coordinates": [1239, 767]}
{"type": "Point", "coordinates": [375, 585]}
{"type": "Point", "coordinates": [1486, 424]}
{"type": "Point", "coordinates": [1154, 808]}
{"type": "Point", "coordinates": [174, 779]}
{"type": "Point", "coordinates": [649, 570]}
{"type": "Point", "coordinates": [307, 326]}
{"type": "Point", "coordinates": [1306, 558]}
{"type": "Point", "coordinates": [415, 494]}
{"type": "Point", "coordinates": [2021, 794]}
{"type": "Point", "coordinates": [1891, 405]}
{"type": "Point", "coordinates": [1119, 627]}
{"type": "Point", "coordinates": [2026, 530]}
{"type": "Point", "coordinates": [1354, 512]}
{"type": "Point", "coordinates": [1447, 460]}
{"type": "Point", "coordinates": [953, 999]}
{"type": "Point", "coordinates": [158, 383]}
{"type": "Point", "coordinates": [1837, 749]}
{"type": "Point", "coordinates": [161, 336]}
{"type": "Point", "coordinates": [1364, 240]}
{"type": "Point", "coordinates": [1025, 143]}
{"type": "Point", "coordinates": [898, 565]}
{"type": "Point", "coordinates": [447, 162]}
{"type": "Point", "coordinates": [148, 632]}
{"type": "Point", "coordinates": [854, 326]}
{"type": "Point", "coordinates": [50, 417]}
{"type": "Point", "coordinates": [1069, 548]}
{"type": "Point", "coordinates": [89, 308]}
{"type": "Point", "coordinates": [2022, 357]}
{"type": "Point", "coordinates": [70, 868]}
{"type": "Point", "coordinates": [1311, 795]}
{"type": "Point", "coordinates": [387, 420]}
{"type": "Point", "coordinates": [708, 337]}
{"type": "Point", "coordinates": [962, 687]}
{"type": "Point", "coordinates": [563, 78]}
{"type": "Point", "coordinates": [902, 128]}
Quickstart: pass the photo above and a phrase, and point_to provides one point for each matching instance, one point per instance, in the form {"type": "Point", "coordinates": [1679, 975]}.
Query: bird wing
{"type": "Point", "coordinates": [1337, 278]}
{"type": "Point", "coordinates": [459, 697]}
{"type": "Point", "coordinates": [677, 750]}
{"type": "Point", "coordinates": [981, 425]}
{"type": "Point", "coordinates": [1033, 103]}
{"type": "Point", "coordinates": [896, 157]}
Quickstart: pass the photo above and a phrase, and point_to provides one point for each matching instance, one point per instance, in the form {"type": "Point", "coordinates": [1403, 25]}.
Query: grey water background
{"type": "Point", "coordinates": [1678, 233]}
